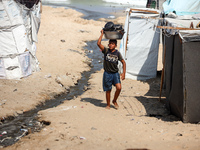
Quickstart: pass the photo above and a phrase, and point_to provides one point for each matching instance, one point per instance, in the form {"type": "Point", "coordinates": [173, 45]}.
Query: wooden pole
{"type": "Point", "coordinates": [163, 70]}
{"type": "Point", "coordinates": [141, 10]}
{"type": "Point", "coordinates": [158, 4]}
{"type": "Point", "coordinates": [127, 32]}
{"type": "Point", "coordinates": [176, 28]}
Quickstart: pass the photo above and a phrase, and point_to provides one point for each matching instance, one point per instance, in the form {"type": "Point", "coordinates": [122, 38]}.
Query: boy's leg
{"type": "Point", "coordinates": [117, 92]}
{"type": "Point", "coordinates": [108, 99]}
{"type": "Point", "coordinates": [107, 86]}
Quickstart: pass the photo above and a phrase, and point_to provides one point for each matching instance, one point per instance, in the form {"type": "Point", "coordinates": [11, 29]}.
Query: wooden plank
{"type": "Point", "coordinates": [176, 28]}
{"type": "Point", "coordinates": [141, 10]}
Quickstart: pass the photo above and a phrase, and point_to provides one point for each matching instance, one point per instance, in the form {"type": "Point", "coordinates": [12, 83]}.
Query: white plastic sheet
{"type": "Point", "coordinates": [7, 43]}
{"type": "Point", "coordinates": [10, 14]}
{"type": "Point", "coordinates": [12, 67]}
{"type": "Point", "coordinates": [142, 48]}
{"type": "Point", "coordinates": [33, 59]}
{"type": "Point", "coordinates": [24, 60]}
{"type": "Point", "coordinates": [21, 39]}
{"type": "Point", "coordinates": [180, 22]}
{"type": "Point", "coordinates": [182, 7]}
{"type": "Point", "coordinates": [2, 70]}
{"type": "Point", "coordinates": [190, 35]}
{"type": "Point", "coordinates": [18, 33]}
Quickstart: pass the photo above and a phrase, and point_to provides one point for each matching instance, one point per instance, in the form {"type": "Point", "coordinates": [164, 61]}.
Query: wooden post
{"type": "Point", "coordinates": [176, 28]}
{"type": "Point", "coordinates": [158, 4]}
{"type": "Point", "coordinates": [141, 10]}
{"type": "Point", "coordinates": [127, 32]}
{"type": "Point", "coordinates": [163, 70]}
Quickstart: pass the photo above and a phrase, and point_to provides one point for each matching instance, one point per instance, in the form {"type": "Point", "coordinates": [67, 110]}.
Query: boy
{"type": "Point", "coordinates": [111, 75]}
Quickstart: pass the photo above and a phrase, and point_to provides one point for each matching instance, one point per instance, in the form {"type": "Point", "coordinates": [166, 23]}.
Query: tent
{"type": "Point", "coordinates": [140, 43]}
{"type": "Point", "coordinates": [181, 40]}
{"type": "Point", "coordinates": [182, 7]}
{"type": "Point", "coordinates": [182, 74]}
{"type": "Point", "coordinates": [19, 25]}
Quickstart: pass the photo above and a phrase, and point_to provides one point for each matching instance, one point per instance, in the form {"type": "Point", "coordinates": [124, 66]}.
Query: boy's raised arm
{"type": "Point", "coordinates": [99, 41]}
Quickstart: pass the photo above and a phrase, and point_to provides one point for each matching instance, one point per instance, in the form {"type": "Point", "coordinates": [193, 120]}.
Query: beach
{"type": "Point", "coordinates": [141, 122]}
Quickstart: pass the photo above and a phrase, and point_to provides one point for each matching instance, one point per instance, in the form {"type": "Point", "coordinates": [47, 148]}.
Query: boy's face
{"type": "Point", "coordinates": [112, 45]}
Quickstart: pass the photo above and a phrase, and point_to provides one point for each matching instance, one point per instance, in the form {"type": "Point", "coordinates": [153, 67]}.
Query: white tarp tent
{"type": "Point", "coordinates": [19, 26]}
{"type": "Point", "coordinates": [182, 7]}
{"type": "Point", "coordinates": [140, 43]}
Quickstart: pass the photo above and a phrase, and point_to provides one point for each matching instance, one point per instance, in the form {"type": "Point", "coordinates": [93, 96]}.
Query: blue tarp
{"type": "Point", "coordinates": [182, 7]}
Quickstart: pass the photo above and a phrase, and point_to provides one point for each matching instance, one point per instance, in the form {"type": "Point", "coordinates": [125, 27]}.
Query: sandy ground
{"type": "Point", "coordinates": [142, 122]}
{"type": "Point", "coordinates": [59, 39]}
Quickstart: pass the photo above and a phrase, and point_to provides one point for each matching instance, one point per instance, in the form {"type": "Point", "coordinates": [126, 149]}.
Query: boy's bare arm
{"type": "Point", "coordinates": [124, 69]}
{"type": "Point", "coordinates": [99, 41]}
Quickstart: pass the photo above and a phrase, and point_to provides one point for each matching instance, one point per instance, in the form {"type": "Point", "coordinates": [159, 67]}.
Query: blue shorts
{"type": "Point", "coordinates": [110, 79]}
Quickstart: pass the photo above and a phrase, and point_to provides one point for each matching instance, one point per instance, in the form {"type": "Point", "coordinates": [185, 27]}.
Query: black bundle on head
{"type": "Point", "coordinates": [109, 26]}
{"type": "Point", "coordinates": [28, 3]}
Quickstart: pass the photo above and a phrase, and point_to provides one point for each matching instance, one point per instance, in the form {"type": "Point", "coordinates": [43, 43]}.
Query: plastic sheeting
{"type": "Point", "coordinates": [190, 35]}
{"type": "Point", "coordinates": [9, 14]}
{"type": "Point", "coordinates": [15, 67]}
{"type": "Point", "coordinates": [19, 26]}
{"type": "Point", "coordinates": [182, 78]}
{"type": "Point", "coordinates": [2, 70]}
{"type": "Point", "coordinates": [182, 7]}
{"type": "Point", "coordinates": [182, 75]}
{"type": "Point", "coordinates": [141, 3]}
{"type": "Point", "coordinates": [181, 22]}
{"type": "Point", "coordinates": [142, 38]}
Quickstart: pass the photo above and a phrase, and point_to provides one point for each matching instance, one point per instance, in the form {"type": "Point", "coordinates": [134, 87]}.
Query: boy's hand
{"type": "Point", "coordinates": [122, 76]}
{"type": "Point", "coordinates": [99, 41]}
{"type": "Point", "coordinates": [102, 31]}
{"type": "Point", "coordinates": [124, 69]}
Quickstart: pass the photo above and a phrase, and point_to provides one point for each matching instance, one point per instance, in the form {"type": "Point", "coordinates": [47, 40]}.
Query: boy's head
{"type": "Point", "coordinates": [113, 41]}
{"type": "Point", "coordinates": [112, 44]}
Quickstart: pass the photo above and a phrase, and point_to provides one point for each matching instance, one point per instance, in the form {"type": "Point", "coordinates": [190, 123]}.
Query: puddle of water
{"type": "Point", "coordinates": [19, 126]}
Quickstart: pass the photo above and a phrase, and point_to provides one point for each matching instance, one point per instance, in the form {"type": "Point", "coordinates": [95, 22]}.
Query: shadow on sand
{"type": "Point", "coordinates": [96, 102]}
{"type": "Point", "coordinates": [154, 107]}
{"type": "Point", "coordinates": [150, 101]}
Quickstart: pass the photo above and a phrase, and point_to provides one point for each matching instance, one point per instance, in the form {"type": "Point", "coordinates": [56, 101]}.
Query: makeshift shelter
{"type": "Point", "coordinates": [140, 43]}
{"type": "Point", "coordinates": [19, 24]}
{"type": "Point", "coordinates": [181, 40]}
{"type": "Point", "coordinates": [182, 7]}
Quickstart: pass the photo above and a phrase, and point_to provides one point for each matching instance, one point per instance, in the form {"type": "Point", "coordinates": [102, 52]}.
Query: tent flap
{"type": "Point", "coordinates": [190, 35]}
